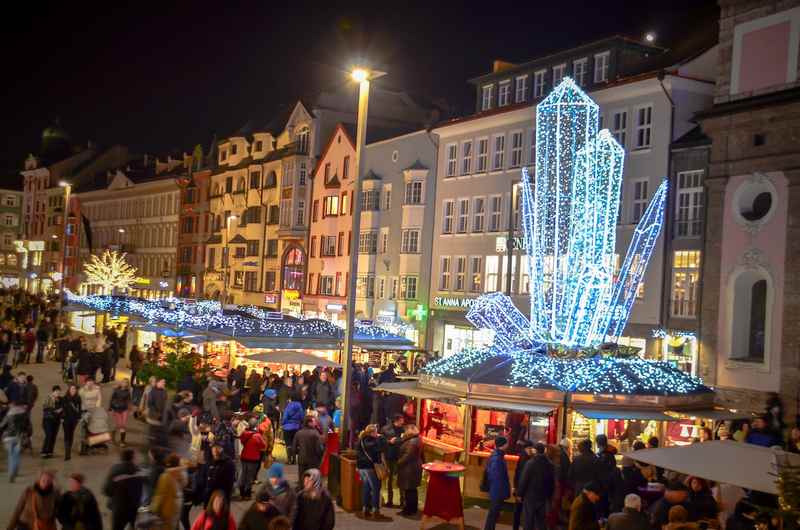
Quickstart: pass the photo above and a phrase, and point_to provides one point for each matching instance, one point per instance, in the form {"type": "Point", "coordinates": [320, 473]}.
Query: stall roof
{"type": "Point", "coordinates": [291, 357]}
{"type": "Point", "coordinates": [755, 466]}
{"type": "Point", "coordinates": [410, 389]}
{"type": "Point", "coordinates": [507, 405]}
{"type": "Point", "coordinates": [391, 346]}
{"type": "Point", "coordinates": [624, 414]}
{"type": "Point", "coordinates": [713, 414]}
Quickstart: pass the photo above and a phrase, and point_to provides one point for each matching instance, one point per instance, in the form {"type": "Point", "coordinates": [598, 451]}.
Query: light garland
{"type": "Point", "coordinates": [243, 321]}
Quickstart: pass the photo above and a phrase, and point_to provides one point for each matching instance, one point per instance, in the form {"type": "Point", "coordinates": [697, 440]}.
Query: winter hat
{"type": "Point", "coordinates": [275, 470]}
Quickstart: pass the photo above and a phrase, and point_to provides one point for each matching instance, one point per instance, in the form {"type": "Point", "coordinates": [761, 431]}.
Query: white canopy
{"type": "Point", "coordinates": [745, 465]}
{"type": "Point", "coordinates": [292, 357]}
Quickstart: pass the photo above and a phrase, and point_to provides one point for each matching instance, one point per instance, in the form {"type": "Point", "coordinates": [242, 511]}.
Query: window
{"type": "Point", "coordinates": [499, 152]}
{"type": "Point", "coordinates": [486, 97]}
{"type": "Point", "coordinates": [538, 83]}
{"type": "Point", "coordinates": [240, 186]}
{"type": "Point", "coordinates": [330, 206]}
{"type": "Point", "coordinates": [327, 172]}
{"type": "Point", "coordinates": [252, 248]}
{"type": "Point", "coordinates": [579, 71]}
{"type": "Point", "coordinates": [479, 212]}
{"type": "Point", "coordinates": [223, 155]}
{"type": "Point", "coordinates": [444, 278]}
{"type": "Point", "coordinates": [370, 200]}
{"type": "Point", "coordinates": [270, 281]}
{"type": "Point", "coordinates": [461, 272]}
{"type": "Point", "coordinates": [393, 290]}
{"type": "Point", "coordinates": [521, 92]}
{"type": "Point", "coordinates": [644, 127]}
{"type": "Point", "coordinates": [387, 197]}
{"type": "Point", "coordinates": [504, 93]}
{"type": "Point", "coordinates": [601, 67]}
{"type": "Point", "coordinates": [368, 243]}
{"type": "Point", "coordinates": [302, 140]}
{"type": "Point", "coordinates": [619, 126]}
{"type": "Point", "coordinates": [234, 149]}
{"type": "Point", "coordinates": [302, 174]}
{"type": "Point", "coordinates": [466, 157]}
{"type": "Point", "coordinates": [272, 248]}
{"type": "Point", "coordinates": [532, 147]}
{"type": "Point", "coordinates": [685, 283]}
{"type": "Point", "coordinates": [8, 239]}
{"type": "Point", "coordinates": [750, 326]}
{"type": "Point", "coordinates": [516, 149]}
{"type": "Point", "coordinates": [255, 180]}
{"type": "Point", "coordinates": [12, 259]}
{"type": "Point", "coordinates": [365, 286]}
{"type": "Point", "coordinates": [463, 216]}
{"type": "Point", "coordinates": [300, 220]}
{"type": "Point", "coordinates": [408, 287]}
{"type": "Point", "coordinates": [381, 287]}
{"type": "Point", "coordinates": [228, 187]}
{"type": "Point", "coordinates": [558, 73]}
{"type": "Point", "coordinates": [475, 276]}
{"type": "Point", "coordinates": [452, 160]}
{"type": "Point", "coordinates": [328, 244]}
{"type": "Point", "coordinates": [286, 212]}
{"type": "Point", "coordinates": [238, 252]}
{"type": "Point", "coordinates": [414, 192]}
{"type": "Point", "coordinates": [448, 211]}
{"type": "Point", "coordinates": [259, 145]}
{"type": "Point", "coordinates": [186, 255]}
{"type": "Point", "coordinates": [238, 278]}
{"type": "Point", "coordinates": [410, 241]}
{"type": "Point", "coordinates": [313, 249]}
{"type": "Point", "coordinates": [345, 204]}
{"type": "Point", "coordinates": [251, 281]}
{"type": "Point", "coordinates": [326, 285]}
{"type": "Point", "coordinates": [346, 167]}
{"type": "Point", "coordinates": [384, 240]}
{"type": "Point", "coordinates": [639, 200]}
{"type": "Point", "coordinates": [10, 200]}
{"type": "Point", "coordinates": [495, 220]}
{"type": "Point", "coordinates": [689, 219]}
{"type": "Point", "coordinates": [483, 154]}
{"type": "Point", "coordinates": [492, 274]}
{"type": "Point", "coordinates": [212, 258]}
{"type": "Point", "coordinates": [274, 214]}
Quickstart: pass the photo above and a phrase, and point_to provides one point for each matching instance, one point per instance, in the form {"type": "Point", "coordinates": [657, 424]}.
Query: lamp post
{"type": "Point", "coordinates": [227, 257]}
{"type": "Point", "coordinates": [362, 76]}
{"type": "Point", "coordinates": [67, 191]}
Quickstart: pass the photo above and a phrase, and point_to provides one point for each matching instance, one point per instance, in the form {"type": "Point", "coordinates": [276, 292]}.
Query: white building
{"type": "Point", "coordinates": [481, 157]}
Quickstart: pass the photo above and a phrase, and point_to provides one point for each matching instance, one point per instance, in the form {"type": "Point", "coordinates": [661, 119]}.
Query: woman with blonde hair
{"type": "Point", "coordinates": [369, 453]}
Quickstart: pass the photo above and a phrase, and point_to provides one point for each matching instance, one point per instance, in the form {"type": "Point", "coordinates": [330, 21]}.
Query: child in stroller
{"type": "Point", "coordinates": [95, 431]}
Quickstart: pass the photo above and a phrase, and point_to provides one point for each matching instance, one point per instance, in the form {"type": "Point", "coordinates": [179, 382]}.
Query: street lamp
{"type": "Point", "coordinates": [227, 257]}
{"type": "Point", "coordinates": [120, 231]}
{"type": "Point", "coordinates": [67, 191]}
{"type": "Point", "coordinates": [362, 76]}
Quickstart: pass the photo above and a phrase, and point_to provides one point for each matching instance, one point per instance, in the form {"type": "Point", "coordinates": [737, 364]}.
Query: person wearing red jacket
{"type": "Point", "coordinates": [216, 516]}
{"type": "Point", "coordinates": [253, 447]}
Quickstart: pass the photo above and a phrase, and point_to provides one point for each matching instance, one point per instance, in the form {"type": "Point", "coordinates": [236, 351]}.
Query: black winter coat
{"type": "Point", "coordinates": [79, 507]}
{"type": "Point", "coordinates": [368, 452]}
{"type": "Point", "coordinates": [409, 463]}
{"type": "Point", "coordinates": [124, 487]}
{"type": "Point", "coordinates": [584, 469]}
{"type": "Point", "coordinates": [71, 414]}
{"type": "Point", "coordinates": [220, 476]}
{"type": "Point", "coordinates": [538, 481]}
{"type": "Point", "coordinates": [392, 449]}
{"type": "Point", "coordinates": [309, 447]}
{"type": "Point", "coordinates": [314, 513]}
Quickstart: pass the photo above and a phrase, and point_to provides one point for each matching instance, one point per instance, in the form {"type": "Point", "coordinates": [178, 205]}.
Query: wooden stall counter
{"type": "Point", "coordinates": [435, 450]}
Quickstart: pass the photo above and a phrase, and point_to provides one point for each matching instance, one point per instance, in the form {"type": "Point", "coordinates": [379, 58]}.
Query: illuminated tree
{"type": "Point", "coordinates": [110, 270]}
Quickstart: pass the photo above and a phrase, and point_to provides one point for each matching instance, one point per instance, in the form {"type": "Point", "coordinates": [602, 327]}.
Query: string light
{"type": "Point", "coordinates": [110, 270]}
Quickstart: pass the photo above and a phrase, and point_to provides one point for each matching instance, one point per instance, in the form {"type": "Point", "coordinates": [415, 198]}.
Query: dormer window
{"type": "Point", "coordinates": [504, 93]}
{"type": "Point", "coordinates": [259, 145]}
{"type": "Point", "coordinates": [601, 67]}
{"type": "Point", "coordinates": [223, 155]}
{"type": "Point", "coordinates": [486, 97]}
{"type": "Point", "coordinates": [579, 71]}
{"type": "Point", "coordinates": [558, 73]}
{"type": "Point", "coordinates": [302, 139]}
{"type": "Point", "coordinates": [234, 148]}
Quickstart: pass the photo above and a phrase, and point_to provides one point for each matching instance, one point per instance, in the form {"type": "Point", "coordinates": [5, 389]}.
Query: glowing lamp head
{"type": "Point", "coordinates": [64, 184]}
{"type": "Point", "coordinates": [650, 36]}
{"type": "Point", "coordinates": [121, 230]}
{"type": "Point", "coordinates": [359, 75]}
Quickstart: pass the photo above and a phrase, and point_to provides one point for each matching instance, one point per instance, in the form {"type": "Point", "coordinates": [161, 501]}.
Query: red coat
{"type": "Point", "coordinates": [252, 446]}
{"type": "Point", "coordinates": [205, 522]}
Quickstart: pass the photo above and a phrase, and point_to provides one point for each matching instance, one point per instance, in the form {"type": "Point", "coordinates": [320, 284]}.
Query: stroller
{"type": "Point", "coordinates": [95, 431]}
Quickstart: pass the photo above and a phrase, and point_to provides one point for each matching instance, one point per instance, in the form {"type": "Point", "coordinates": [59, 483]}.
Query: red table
{"type": "Point", "coordinates": [443, 499]}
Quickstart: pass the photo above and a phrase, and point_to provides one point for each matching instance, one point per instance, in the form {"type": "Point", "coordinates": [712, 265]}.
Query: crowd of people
{"type": "Point", "coordinates": [213, 440]}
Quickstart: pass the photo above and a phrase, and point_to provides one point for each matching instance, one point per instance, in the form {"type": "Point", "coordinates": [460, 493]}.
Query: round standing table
{"type": "Point", "coordinates": [443, 499]}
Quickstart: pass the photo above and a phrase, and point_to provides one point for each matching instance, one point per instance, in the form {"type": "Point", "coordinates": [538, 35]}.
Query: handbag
{"type": "Point", "coordinates": [380, 467]}
{"type": "Point", "coordinates": [145, 519]}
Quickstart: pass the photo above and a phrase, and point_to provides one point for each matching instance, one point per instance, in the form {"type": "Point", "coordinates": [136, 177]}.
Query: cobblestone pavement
{"type": "Point", "coordinates": [96, 466]}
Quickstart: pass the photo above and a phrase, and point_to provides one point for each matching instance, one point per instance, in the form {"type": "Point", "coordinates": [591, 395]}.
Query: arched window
{"type": "Point", "coordinates": [750, 323]}
{"type": "Point", "coordinates": [293, 269]}
{"type": "Point", "coordinates": [302, 139]}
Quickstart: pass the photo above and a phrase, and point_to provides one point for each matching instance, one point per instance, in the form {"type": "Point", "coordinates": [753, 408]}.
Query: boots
{"type": "Point", "coordinates": [122, 438]}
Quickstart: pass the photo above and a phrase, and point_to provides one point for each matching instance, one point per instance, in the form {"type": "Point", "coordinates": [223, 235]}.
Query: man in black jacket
{"type": "Point", "coordinates": [536, 488]}
{"type": "Point", "coordinates": [124, 489]}
{"type": "Point", "coordinates": [584, 467]}
{"type": "Point", "coordinates": [324, 393]}
{"type": "Point", "coordinates": [393, 434]}
{"type": "Point", "coordinates": [308, 446]}
{"type": "Point", "coordinates": [220, 474]}
{"type": "Point", "coordinates": [525, 450]}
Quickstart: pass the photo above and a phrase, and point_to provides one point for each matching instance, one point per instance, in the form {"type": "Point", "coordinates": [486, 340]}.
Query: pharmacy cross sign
{"type": "Point", "coordinates": [419, 313]}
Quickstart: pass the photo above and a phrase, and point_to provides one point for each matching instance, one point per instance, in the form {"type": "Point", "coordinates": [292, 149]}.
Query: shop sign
{"type": "Point", "coordinates": [290, 294]}
{"type": "Point", "coordinates": [500, 244]}
{"type": "Point", "coordinates": [35, 245]}
{"type": "Point", "coordinates": [366, 322]}
{"type": "Point", "coordinates": [270, 298]}
{"type": "Point", "coordinates": [334, 307]}
{"type": "Point", "coordinates": [453, 302]}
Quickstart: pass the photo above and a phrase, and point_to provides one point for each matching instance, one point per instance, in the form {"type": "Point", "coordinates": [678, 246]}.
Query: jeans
{"type": "Point", "coordinates": [370, 490]}
{"type": "Point", "coordinates": [13, 448]}
{"type": "Point", "coordinates": [249, 474]}
{"type": "Point", "coordinates": [50, 433]}
{"type": "Point", "coordinates": [391, 480]}
{"type": "Point", "coordinates": [40, 351]}
{"type": "Point", "coordinates": [288, 440]}
{"type": "Point", "coordinates": [69, 434]}
{"type": "Point", "coordinates": [495, 506]}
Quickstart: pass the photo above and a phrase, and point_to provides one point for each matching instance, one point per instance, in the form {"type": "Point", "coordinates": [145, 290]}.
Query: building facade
{"type": "Point", "coordinates": [750, 337]}
{"type": "Point", "coordinates": [477, 248]}
{"type": "Point", "coordinates": [194, 222]}
{"type": "Point", "coordinates": [134, 210]}
{"type": "Point", "coordinates": [10, 233]}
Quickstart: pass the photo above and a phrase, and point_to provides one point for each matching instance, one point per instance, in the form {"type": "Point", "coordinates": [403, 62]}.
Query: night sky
{"type": "Point", "coordinates": [163, 78]}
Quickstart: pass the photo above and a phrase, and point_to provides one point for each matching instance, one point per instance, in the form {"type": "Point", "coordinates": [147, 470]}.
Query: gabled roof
{"type": "Point", "coordinates": [371, 175]}
{"type": "Point", "coordinates": [238, 239]}
{"type": "Point", "coordinates": [417, 165]}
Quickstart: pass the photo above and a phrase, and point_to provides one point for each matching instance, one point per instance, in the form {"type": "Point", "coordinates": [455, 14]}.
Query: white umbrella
{"type": "Point", "coordinates": [745, 465]}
